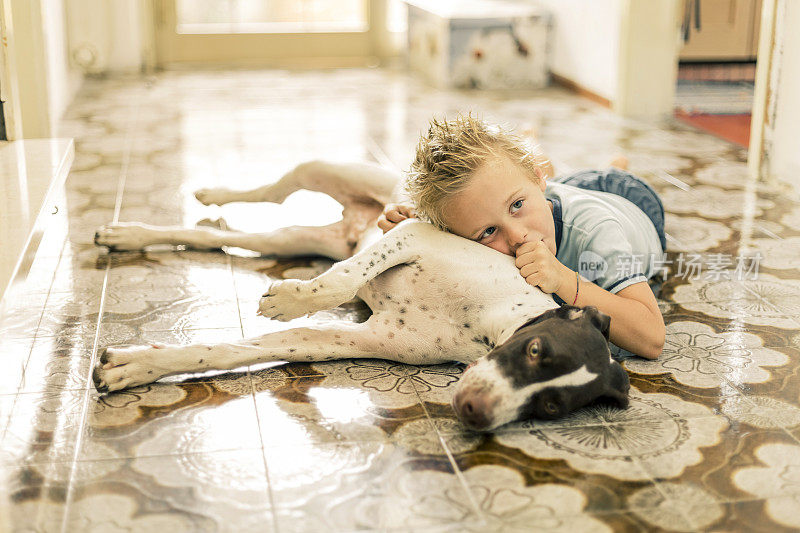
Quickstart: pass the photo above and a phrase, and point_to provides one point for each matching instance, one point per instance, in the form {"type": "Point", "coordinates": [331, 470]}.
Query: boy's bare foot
{"type": "Point", "coordinates": [620, 161]}
{"type": "Point", "coordinates": [529, 132]}
{"type": "Point", "coordinates": [544, 162]}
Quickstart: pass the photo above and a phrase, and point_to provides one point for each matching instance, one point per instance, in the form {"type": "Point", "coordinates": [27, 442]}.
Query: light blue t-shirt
{"type": "Point", "coordinates": [606, 238]}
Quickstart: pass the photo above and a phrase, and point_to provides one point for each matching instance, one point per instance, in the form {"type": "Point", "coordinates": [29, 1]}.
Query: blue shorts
{"type": "Point", "coordinates": [630, 187]}
{"type": "Point", "coordinates": [623, 184]}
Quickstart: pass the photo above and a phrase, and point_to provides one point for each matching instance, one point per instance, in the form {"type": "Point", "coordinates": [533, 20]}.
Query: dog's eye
{"type": "Point", "coordinates": [534, 348]}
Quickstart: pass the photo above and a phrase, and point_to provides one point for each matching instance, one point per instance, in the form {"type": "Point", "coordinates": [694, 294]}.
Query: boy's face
{"type": "Point", "coordinates": [502, 208]}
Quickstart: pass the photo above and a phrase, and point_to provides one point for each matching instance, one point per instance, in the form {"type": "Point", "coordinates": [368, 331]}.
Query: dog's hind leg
{"type": "Point", "coordinates": [122, 367]}
{"type": "Point", "coordinates": [364, 183]}
{"type": "Point", "coordinates": [291, 298]}
{"type": "Point", "coordinates": [332, 241]}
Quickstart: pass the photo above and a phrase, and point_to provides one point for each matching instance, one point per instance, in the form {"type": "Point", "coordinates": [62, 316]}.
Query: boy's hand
{"type": "Point", "coordinates": [539, 267]}
{"type": "Point", "coordinates": [393, 214]}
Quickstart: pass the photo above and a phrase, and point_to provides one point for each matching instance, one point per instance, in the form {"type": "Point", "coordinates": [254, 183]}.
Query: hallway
{"type": "Point", "coordinates": [711, 441]}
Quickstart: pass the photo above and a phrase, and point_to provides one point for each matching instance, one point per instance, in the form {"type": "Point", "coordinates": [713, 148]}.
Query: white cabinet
{"type": "Point", "coordinates": [479, 44]}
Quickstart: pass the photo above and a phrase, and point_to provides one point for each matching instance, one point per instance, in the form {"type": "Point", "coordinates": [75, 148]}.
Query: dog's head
{"type": "Point", "coordinates": [552, 365]}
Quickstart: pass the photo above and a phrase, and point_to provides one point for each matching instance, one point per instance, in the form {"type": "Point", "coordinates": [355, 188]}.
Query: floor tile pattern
{"type": "Point", "coordinates": [711, 440]}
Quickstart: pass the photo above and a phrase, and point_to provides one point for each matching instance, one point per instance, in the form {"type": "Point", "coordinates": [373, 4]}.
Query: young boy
{"type": "Point", "coordinates": [480, 182]}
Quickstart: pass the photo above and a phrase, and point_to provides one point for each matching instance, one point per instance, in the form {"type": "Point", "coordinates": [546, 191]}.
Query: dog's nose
{"type": "Point", "coordinates": [472, 410]}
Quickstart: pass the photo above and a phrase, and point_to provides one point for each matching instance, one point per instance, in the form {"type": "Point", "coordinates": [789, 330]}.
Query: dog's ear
{"type": "Point", "coordinates": [617, 386]}
{"type": "Point", "coordinates": [600, 320]}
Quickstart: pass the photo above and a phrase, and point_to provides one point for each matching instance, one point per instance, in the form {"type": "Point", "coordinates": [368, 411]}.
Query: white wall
{"type": "Point", "coordinates": [648, 58]}
{"type": "Point", "coordinates": [106, 36]}
{"type": "Point", "coordinates": [127, 51]}
{"type": "Point", "coordinates": [63, 81]}
{"type": "Point", "coordinates": [785, 153]}
{"type": "Point", "coordinates": [39, 67]}
{"type": "Point", "coordinates": [48, 36]}
{"type": "Point", "coordinates": [586, 42]}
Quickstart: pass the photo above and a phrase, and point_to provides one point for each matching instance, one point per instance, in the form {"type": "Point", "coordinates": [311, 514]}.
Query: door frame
{"type": "Point", "coordinates": [9, 87]}
{"type": "Point", "coordinates": [662, 67]}
{"type": "Point", "coordinates": [765, 98]}
{"type": "Point", "coordinates": [24, 81]}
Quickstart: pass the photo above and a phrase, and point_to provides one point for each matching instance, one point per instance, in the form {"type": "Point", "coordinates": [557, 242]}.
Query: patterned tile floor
{"type": "Point", "coordinates": [711, 440]}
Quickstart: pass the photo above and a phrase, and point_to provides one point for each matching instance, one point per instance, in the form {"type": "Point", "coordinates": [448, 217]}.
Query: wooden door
{"type": "Point", "coordinates": [728, 31]}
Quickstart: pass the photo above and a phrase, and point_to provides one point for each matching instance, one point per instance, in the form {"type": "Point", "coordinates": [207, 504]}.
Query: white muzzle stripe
{"type": "Point", "coordinates": [510, 399]}
{"type": "Point", "coordinates": [574, 379]}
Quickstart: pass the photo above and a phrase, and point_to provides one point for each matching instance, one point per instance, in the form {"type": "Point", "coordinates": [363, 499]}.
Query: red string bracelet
{"type": "Point", "coordinates": [577, 287]}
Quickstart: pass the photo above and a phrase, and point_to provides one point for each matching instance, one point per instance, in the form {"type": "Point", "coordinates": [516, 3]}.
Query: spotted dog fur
{"type": "Point", "coordinates": [435, 297]}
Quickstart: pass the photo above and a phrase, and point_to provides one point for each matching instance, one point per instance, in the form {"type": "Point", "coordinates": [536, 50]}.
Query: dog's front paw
{"type": "Point", "coordinates": [121, 367]}
{"type": "Point", "coordinates": [285, 300]}
{"type": "Point", "coordinates": [215, 196]}
{"type": "Point", "coordinates": [124, 236]}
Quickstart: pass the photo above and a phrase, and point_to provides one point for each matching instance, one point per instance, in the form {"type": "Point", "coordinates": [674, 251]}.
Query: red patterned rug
{"type": "Point", "coordinates": [733, 128]}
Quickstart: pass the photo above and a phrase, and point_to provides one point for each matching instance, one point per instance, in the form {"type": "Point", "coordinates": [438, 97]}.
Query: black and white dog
{"type": "Point", "coordinates": [435, 297]}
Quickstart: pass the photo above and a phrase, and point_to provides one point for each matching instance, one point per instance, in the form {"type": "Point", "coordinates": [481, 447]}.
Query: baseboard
{"type": "Point", "coordinates": [580, 89]}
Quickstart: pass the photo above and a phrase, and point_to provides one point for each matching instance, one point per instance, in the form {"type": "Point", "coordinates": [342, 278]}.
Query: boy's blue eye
{"type": "Point", "coordinates": [488, 232]}
{"type": "Point", "coordinates": [517, 205]}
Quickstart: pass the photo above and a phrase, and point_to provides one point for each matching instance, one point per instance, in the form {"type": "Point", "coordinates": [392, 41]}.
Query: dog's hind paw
{"type": "Point", "coordinates": [285, 300]}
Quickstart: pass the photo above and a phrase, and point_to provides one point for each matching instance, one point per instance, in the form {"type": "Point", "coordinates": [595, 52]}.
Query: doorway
{"type": "Point", "coordinates": [279, 33]}
{"type": "Point", "coordinates": [717, 69]}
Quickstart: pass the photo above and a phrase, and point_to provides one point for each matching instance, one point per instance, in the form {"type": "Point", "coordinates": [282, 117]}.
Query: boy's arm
{"type": "Point", "coordinates": [636, 321]}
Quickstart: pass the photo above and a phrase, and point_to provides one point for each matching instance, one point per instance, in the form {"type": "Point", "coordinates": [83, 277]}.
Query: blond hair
{"type": "Point", "coordinates": [451, 152]}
